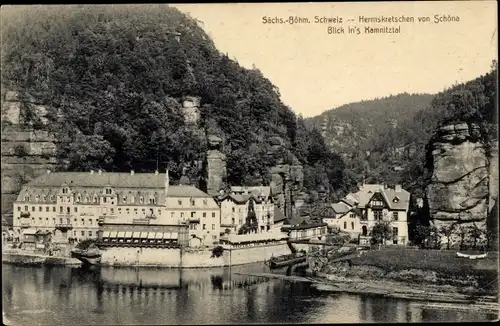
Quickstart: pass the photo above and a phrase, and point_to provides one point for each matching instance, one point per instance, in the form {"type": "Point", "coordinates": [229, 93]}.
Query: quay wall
{"type": "Point", "coordinates": [35, 259]}
{"type": "Point", "coordinates": [189, 258]}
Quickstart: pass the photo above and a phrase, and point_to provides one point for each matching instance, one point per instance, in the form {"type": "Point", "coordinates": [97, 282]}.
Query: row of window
{"type": "Point", "coordinates": [61, 220]}
{"type": "Point", "coordinates": [94, 199]}
{"type": "Point", "coordinates": [204, 227]}
{"type": "Point", "coordinates": [379, 216]}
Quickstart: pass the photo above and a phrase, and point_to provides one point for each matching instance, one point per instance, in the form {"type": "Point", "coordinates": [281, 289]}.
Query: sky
{"type": "Point", "coordinates": [316, 71]}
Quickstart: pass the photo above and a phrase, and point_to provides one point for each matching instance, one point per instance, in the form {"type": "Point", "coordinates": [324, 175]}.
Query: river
{"type": "Point", "coordinates": [119, 296]}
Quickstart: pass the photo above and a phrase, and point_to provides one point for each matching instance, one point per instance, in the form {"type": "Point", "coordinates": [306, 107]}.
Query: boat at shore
{"type": "Point", "coordinates": [89, 256]}
{"type": "Point", "coordinates": [481, 256]}
{"type": "Point", "coordinates": [286, 260]}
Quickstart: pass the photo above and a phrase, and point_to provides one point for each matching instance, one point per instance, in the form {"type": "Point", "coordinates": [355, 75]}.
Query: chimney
{"type": "Point", "coordinates": [100, 171]}
{"type": "Point", "coordinates": [91, 171]}
{"type": "Point", "coordinates": [132, 172]}
{"type": "Point", "coordinates": [397, 188]}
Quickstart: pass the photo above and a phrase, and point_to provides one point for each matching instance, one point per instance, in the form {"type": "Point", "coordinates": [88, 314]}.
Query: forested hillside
{"type": "Point", "coordinates": [113, 78]}
{"type": "Point", "coordinates": [367, 134]}
{"type": "Point", "coordinates": [385, 140]}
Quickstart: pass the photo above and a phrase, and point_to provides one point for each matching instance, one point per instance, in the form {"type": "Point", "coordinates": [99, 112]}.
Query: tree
{"type": "Point", "coordinates": [381, 232]}
{"type": "Point", "coordinates": [447, 231]}
{"type": "Point", "coordinates": [421, 233]}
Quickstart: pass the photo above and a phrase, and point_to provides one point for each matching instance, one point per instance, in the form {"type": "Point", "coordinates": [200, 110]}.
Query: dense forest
{"type": "Point", "coordinates": [113, 78]}
{"type": "Point", "coordinates": [385, 140]}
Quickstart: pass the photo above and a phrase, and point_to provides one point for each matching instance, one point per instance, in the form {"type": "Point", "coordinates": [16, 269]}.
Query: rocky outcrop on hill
{"type": "Point", "coordinates": [287, 176]}
{"type": "Point", "coordinates": [463, 184]}
{"type": "Point", "coordinates": [26, 152]}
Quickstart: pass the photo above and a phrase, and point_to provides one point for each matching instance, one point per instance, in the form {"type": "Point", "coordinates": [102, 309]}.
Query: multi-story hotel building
{"type": "Point", "coordinates": [235, 206]}
{"type": "Point", "coordinates": [125, 205]}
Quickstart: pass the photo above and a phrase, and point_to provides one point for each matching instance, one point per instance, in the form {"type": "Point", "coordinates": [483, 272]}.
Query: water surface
{"type": "Point", "coordinates": [109, 296]}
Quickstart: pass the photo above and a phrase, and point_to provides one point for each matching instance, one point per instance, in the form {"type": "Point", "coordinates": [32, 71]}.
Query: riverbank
{"type": "Point", "coordinates": [426, 294]}
{"type": "Point", "coordinates": [18, 257]}
{"type": "Point", "coordinates": [415, 267]}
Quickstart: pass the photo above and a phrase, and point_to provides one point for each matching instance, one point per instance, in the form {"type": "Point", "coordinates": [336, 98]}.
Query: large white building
{"type": "Point", "coordinates": [72, 205]}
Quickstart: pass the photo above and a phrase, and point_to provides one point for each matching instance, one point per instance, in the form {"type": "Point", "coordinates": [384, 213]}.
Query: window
{"type": "Point", "coordinates": [172, 214]}
{"type": "Point", "coordinates": [47, 208]}
{"type": "Point", "coordinates": [90, 233]}
{"type": "Point", "coordinates": [87, 199]}
{"type": "Point", "coordinates": [76, 209]}
{"type": "Point", "coordinates": [377, 215]}
{"type": "Point", "coordinates": [53, 208]}
{"type": "Point", "coordinates": [112, 211]}
{"type": "Point", "coordinates": [204, 226]}
{"type": "Point", "coordinates": [108, 191]}
{"type": "Point", "coordinates": [40, 219]}
{"type": "Point", "coordinates": [54, 220]}
{"type": "Point", "coordinates": [232, 221]}
{"type": "Point", "coordinates": [44, 198]}
{"type": "Point", "coordinates": [18, 208]}
{"type": "Point", "coordinates": [124, 199]}
{"type": "Point", "coordinates": [60, 221]}
{"type": "Point", "coordinates": [352, 225]}
{"type": "Point", "coordinates": [33, 208]}
{"type": "Point", "coordinates": [104, 199]}
{"type": "Point", "coordinates": [179, 202]}
{"type": "Point", "coordinates": [152, 200]}
{"type": "Point", "coordinates": [214, 237]}
{"type": "Point", "coordinates": [213, 226]}
{"type": "Point", "coordinates": [192, 202]}
{"type": "Point", "coordinates": [182, 215]}
{"type": "Point", "coordinates": [395, 232]}
{"type": "Point", "coordinates": [37, 198]}
{"type": "Point", "coordinates": [83, 221]}
{"type": "Point", "coordinates": [127, 210]}
{"type": "Point", "coordinates": [233, 209]}
{"type": "Point", "coordinates": [78, 199]}
{"type": "Point", "coordinates": [75, 220]}
{"type": "Point", "coordinates": [205, 202]}
{"type": "Point", "coordinates": [351, 215]}
{"type": "Point", "coordinates": [26, 198]}
{"type": "Point", "coordinates": [395, 216]}
{"type": "Point", "coordinates": [119, 211]}
{"type": "Point", "coordinates": [52, 198]}
{"type": "Point", "coordinates": [68, 210]}
{"type": "Point", "coordinates": [40, 208]}
{"type": "Point", "coordinates": [204, 214]}
{"type": "Point", "coordinates": [25, 208]}
{"type": "Point", "coordinates": [377, 203]}
{"type": "Point", "coordinates": [345, 225]}
{"type": "Point", "coordinates": [193, 214]}
{"type": "Point", "coordinates": [95, 200]}
{"type": "Point", "coordinates": [90, 221]}
{"type": "Point", "coordinates": [135, 211]}
{"type": "Point", "coordinates": [143, 210]}
{"type": "Point", "coordinates": [83, 233]}
{"type": "Point", "coordinates": [213, 214]}
{"type": "Point", "coordinates": [141, 200]}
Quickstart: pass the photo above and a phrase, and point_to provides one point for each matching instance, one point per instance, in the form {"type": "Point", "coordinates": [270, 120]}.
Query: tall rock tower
{"type": "Point", "coordinates": [214, 171]}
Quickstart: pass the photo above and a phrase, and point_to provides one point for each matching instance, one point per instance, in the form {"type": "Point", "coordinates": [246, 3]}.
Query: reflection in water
{"type": "Point", "coordinates": [63, 295]}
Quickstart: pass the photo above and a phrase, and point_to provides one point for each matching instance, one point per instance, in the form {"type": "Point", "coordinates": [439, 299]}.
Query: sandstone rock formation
{"type": "Point", "coordinates": [26, 153]}
{"type": "Point", "coordinates": [287, 176]}
{"type": "Point", "coordinates": [460, 189]}
{"type": "Point", "coordinates": [215, 166]}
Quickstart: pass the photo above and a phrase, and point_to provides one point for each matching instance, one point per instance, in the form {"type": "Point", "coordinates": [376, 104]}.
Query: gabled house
{"type": "Point", "coordinates": [235, 207]}
{"type": "Point", "coordinates": [380, 202]}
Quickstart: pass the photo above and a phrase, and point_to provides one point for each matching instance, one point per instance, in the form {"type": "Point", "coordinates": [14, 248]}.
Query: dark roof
{"type": "Point", "coordinates": [115, 180]}
{"type": "Point", "coordinates": [278, 215]}
{"type": "Point", "coordinates": [307, 226]}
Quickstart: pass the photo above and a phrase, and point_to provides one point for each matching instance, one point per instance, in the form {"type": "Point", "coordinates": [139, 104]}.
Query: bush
{"type": "Point", "coordinates": [217, 251]}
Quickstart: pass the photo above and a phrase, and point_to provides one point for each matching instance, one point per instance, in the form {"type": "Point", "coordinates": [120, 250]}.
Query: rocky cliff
{"type": "Point", "coordinates": [26, 152]}
{"type": "Point", "coordinates": [464, 181]}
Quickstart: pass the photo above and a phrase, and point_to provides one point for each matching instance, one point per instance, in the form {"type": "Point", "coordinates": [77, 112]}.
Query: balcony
{"type": "Point", "coordinates": [64, 226]}
{"type": "Point", "coordinates": [64, 215]}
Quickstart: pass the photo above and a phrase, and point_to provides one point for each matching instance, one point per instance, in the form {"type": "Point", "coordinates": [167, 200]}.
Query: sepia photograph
{"type": "Point", "coordinates": [249, 163]}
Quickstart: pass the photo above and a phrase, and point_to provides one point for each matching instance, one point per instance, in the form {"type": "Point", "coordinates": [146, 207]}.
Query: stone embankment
{"type": "Point", "coordinates": [34, 259]}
